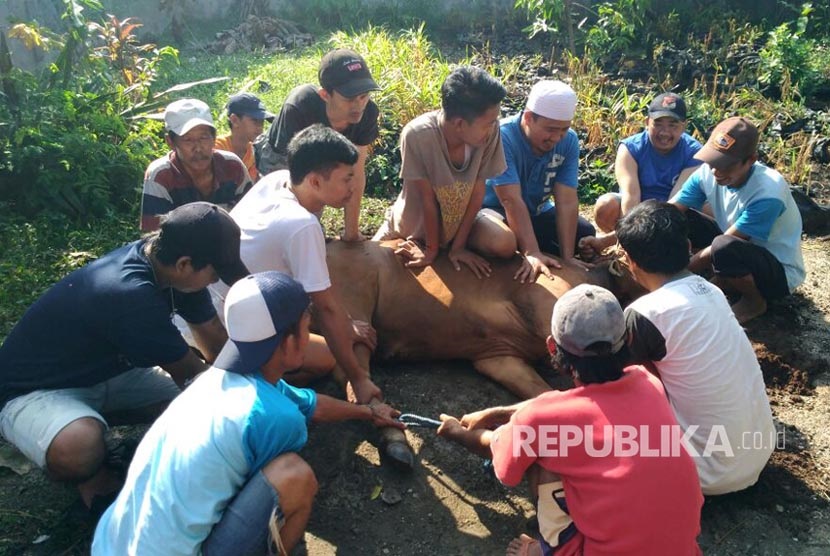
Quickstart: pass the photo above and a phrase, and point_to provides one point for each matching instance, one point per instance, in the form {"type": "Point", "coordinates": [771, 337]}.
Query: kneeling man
{"type": "Point", "coordinates": [99, 346]}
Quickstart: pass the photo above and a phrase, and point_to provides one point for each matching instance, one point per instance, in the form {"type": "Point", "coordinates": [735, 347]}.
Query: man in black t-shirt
{"type": "Point", "coordinates": [341, 103]}
{"type": "Point", "coordinates": [99, 346]}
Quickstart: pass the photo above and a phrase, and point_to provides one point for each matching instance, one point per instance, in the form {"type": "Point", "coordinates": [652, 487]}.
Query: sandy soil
{"type": "Point", "coordinates": [453, 505]}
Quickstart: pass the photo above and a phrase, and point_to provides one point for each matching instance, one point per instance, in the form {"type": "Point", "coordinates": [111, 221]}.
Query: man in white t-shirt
{"type": "Point", "coordinates": [280, 232]}
{"type": "Point", "coordinates": [685, 331]}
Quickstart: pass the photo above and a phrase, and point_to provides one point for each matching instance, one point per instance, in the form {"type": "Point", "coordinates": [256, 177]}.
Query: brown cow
{"type": "Point", "coordinates": [437, 313]}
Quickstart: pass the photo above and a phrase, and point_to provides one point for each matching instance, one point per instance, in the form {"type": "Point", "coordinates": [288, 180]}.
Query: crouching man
{"type": "Point", "coordinates": [219, 468]}
{"type": "Point", "coordinates": [599, 460]}
{"type": "Point", "coordinates": [99, 348]}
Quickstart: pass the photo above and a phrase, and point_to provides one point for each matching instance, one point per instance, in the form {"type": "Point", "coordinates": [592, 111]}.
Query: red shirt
{"type": "Point", "coordinates": [629, 501]}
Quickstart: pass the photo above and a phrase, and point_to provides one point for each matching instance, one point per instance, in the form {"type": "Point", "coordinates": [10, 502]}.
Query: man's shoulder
{"type": "Point", "coordinates": [427, 120]}
{"type": "Point", "coordinates": [425, 127]}
{"type": "Point", "coordinates": [690, 141]}
{"type": "Point", "coordinates": [304, 98]}
{"type": "Point", "coordinates": [770, 177]}
{"type": "Point", "coordinates": [223, 143]}
{"type": "Point", "coordinates": [635, 142]}
{"type": "Point", "coordinates": [227, 158]}
{"type": "Point", "coordinates": [160, 168]}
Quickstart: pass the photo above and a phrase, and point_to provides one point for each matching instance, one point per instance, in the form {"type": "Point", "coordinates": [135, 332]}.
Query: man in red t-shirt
{"type": "Point", "coordinates": [604, 460]}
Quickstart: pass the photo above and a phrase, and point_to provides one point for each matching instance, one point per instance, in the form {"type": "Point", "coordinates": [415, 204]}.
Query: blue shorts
{"type": "Point", "coordinates": [244, 526]}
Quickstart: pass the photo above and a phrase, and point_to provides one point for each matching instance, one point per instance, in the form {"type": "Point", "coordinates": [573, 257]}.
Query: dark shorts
{"type": "Point", "coordinates": [733, 257]}
{"type": "Point", "coordinates": [544, 228]}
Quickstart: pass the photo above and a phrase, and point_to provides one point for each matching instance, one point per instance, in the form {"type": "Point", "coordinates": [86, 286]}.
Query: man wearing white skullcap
{"type": "Point", "coordinates": [534, 204]}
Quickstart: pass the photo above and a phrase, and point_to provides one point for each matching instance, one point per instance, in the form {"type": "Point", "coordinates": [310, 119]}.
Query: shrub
{"type": "Point", "coordinates": [66, 145]}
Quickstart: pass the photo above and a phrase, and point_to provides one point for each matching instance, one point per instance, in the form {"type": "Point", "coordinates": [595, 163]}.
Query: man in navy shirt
{"type": "Point", "coordinates": [542, 155]}
{"type": "Point", "coordinates": [101, 342]}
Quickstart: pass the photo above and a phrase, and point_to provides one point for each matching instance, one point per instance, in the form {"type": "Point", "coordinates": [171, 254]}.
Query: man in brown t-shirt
{"type": "Point", "coordinates": [446, 156]}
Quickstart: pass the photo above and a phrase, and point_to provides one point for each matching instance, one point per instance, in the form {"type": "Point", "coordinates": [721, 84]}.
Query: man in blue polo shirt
{"type": "Point", "coordinates": [534, 204]}
{"type": "Point", "coordinates": [99, 345]}
{"type": "Point", "coordinates": [758, 253]}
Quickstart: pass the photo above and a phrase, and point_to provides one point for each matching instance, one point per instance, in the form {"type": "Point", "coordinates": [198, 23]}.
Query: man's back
{"type": "Point", "coordinates": [100, 320]}
{"type": "Point", "coordinates": [629, 488]}
{"type": "Point", "coordinates": [712, 378]}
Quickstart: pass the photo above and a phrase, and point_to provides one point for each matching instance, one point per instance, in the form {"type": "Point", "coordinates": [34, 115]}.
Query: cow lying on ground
{"type": "Point", "coordinates": [438, 313]}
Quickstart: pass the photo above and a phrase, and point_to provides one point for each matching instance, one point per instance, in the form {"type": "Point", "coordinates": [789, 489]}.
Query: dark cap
{"type": "Point", "coordinates": [667, 105]}
{"type": "Point", "coordinates": [259, 310]}
{"type": "Point", "coordinates": [345, 71]}
{"type": "Point", "coordinates": [207, 233]}
{"type": "Point", "coordinates": [733, 140]}
{"type": "Point", "coordinates": [246, 104]}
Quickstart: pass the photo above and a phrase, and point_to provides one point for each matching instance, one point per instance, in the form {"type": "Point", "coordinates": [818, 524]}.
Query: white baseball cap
{"type": "Point", "coordinates": [552, 99]}
{"type": "Point", "coordinates": [259, 310]}
{"type": "Point", "coordinates": [183, 115]}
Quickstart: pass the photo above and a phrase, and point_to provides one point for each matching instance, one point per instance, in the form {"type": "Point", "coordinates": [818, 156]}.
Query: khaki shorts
{"type": "Point", "coordinates": [33, 420]}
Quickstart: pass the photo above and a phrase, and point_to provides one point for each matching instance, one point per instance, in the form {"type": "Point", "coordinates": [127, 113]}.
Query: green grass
{"type": "Point", "coordinates": [37, 253]}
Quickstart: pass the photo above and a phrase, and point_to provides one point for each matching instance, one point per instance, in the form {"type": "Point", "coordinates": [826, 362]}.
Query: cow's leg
{"type": "Point", "coordinates": [514, 374]}
{"type": "Point", "coordinates": [393, 443]}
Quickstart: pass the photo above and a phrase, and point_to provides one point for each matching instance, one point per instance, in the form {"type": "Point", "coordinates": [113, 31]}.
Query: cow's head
{"type": "Point", "coordinates": [623, 285]}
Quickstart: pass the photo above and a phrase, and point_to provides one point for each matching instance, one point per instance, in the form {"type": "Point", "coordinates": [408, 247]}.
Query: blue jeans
{"type": "Point", "coordinates": [243, 529]}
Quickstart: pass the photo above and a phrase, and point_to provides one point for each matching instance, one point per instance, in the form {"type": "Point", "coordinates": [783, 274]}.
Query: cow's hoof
{"type": "Point", "coordinates": [400, 455]}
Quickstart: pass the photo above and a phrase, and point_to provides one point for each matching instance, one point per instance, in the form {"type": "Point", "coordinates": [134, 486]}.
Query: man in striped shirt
{"type": "Point", "coordinates": [193, 170]}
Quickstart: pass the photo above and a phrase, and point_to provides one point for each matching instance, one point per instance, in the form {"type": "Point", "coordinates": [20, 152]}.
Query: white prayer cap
{"type": "Point", "coordinates": [552, 99]}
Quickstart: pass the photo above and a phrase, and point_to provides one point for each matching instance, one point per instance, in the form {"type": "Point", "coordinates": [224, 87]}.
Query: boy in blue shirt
{"type": "Point", "coordinates": [219, 469]}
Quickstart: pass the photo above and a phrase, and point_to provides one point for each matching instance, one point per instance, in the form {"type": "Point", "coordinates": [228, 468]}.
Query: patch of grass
{"type": "Point", "coordinates": [36, 254]}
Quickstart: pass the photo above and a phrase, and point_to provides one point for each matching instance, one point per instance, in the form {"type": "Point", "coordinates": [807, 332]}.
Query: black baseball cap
{"type": "Point", "coordinates": [205, 232]}
{"type": "Point", "coordinates": [667, 105]}
{"type": "Point", "coordinates": [247, 104]}
{"type": "Point", "coordinates": [345, 71]}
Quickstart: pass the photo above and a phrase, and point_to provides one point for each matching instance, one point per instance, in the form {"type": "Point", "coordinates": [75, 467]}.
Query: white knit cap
{"type": "Point", "coordinates": [552, 99]}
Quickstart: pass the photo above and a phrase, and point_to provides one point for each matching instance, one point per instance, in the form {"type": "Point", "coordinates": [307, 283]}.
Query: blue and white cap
{"type": "Point", "coordinates": [259, 310]}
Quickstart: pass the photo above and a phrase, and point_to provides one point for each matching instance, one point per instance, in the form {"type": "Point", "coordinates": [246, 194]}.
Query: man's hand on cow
{"type": "Point", "coordinates": [364, 333]}
{"type": "Point", "coordinates": [534, 264]}
{"type": "Point", "coordinates": [363, 391]}
{"type": "Point", "coordinates": [414, 256]}
{"type": "Point", "coordinates": [573, 261]}
{"type": "Point", "coordinates": [358, 237]}
{"type": "Point", "coordinates": [384, 415]}
{"type": "Point", "coordinates": [591, 246]}
{"type": "Point", "coordinates": [479, 266]}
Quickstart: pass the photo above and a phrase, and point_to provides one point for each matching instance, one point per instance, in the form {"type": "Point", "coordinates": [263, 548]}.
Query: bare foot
{"type": "Point", "coordinates": [524, 546]}
{"type": "Point", "coordinates": [749, 307]}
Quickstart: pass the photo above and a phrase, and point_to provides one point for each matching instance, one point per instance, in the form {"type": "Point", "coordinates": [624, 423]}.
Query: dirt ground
{"type": "Point", "coordinates": [452, 504]}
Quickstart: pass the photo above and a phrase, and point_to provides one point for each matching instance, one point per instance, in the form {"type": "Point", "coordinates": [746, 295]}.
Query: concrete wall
{"type": "Point", "coordinates": [198, 19]}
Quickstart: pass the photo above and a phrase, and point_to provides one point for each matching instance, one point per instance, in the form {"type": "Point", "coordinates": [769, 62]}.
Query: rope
{"type": "Point", "coordinates": [412, 420]}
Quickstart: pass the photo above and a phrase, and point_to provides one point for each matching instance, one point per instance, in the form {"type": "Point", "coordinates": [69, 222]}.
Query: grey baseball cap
{"type": "Point", "coordinates": [586, 315]}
